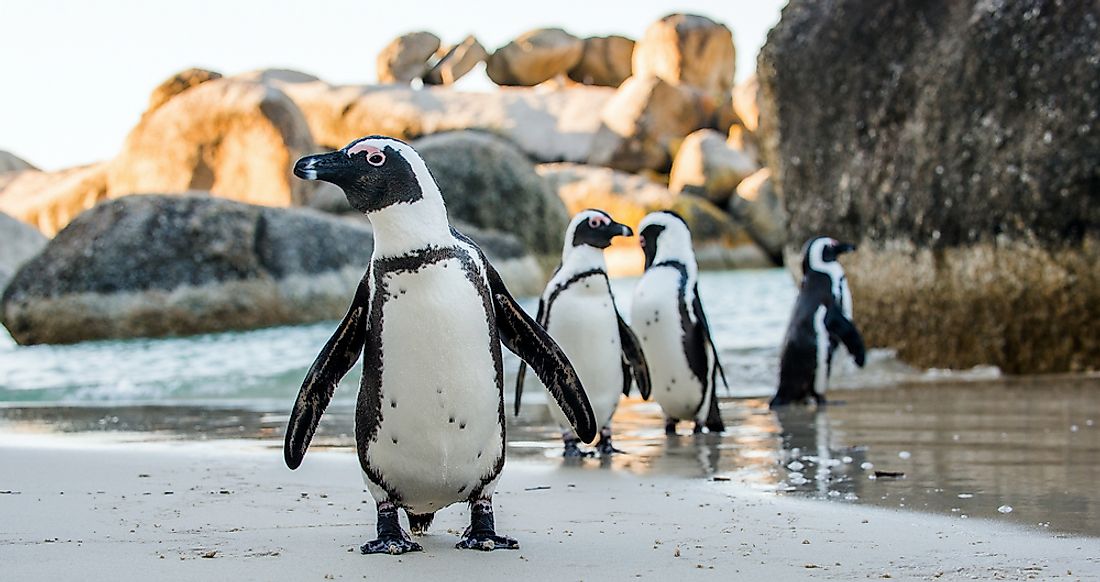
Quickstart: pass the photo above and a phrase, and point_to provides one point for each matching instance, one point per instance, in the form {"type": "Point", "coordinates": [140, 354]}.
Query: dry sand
{"type": "Point", "coordinates": [70, 509]}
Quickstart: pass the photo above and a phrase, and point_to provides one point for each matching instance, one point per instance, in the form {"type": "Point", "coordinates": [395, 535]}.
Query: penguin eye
{"type": "Point", "coordinates": [594, 222]}
{"type": "Point", "coordinates": [376, 159]}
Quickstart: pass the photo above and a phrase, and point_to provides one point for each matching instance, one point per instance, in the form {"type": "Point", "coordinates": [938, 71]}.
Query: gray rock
{"type": "Point", "coordinates": [605, 61]}
{"type": "Point", "coordinates": [487, 182]}
{"type": "Point", "coordinates": [406, 57]}
{"type": "Point", "coordinates": [533, 57]}
{"type": "Point", "coordinates": [455, 62]}
{"type": "Point", "coordinates": [958, 144]}
{"type": "Point", "coordinates": [10, 162]}
{"type": "Point", "coordinates": [147, 266]}
{"type": "Point", "coordinates": [757, 206]}
{"type": "Point", "coordinates": [21, 242]}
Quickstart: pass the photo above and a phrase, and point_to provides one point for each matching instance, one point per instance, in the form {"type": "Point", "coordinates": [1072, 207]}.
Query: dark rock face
{"type": "Point", "coordinates": [959, 142]}
{"type": "Point", "coordinates": [488, 183]}
{"type": "Point", "coordinates": [168, 265]}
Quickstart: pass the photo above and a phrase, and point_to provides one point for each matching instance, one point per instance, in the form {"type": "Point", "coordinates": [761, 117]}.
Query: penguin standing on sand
{"type": "Point", "coordinates": [822, 319]}
{"type": "Point", "coordinates": [578, 310]}
{"type": "Point", "coordinates": [429, 317]}
{"type": "Point", "coordinates": [668, 318]}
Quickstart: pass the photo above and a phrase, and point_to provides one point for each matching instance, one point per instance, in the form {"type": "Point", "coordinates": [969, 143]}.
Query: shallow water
{"type": "Point", "coordinates": [968, 442]}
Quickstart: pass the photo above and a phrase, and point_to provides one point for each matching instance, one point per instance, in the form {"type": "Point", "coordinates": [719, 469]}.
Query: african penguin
{"type": "Point", "coordinates": [429, 317]}
{"type": "Point", "coordinates": [667, 315]}
{"type": "Point", "coordinates": [822, 319]}
{"type": "Point", "coordinates": [578, 310]}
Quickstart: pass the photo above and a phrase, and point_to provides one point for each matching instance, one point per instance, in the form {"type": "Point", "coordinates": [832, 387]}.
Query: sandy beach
{"type": "Point", "coordinates": [231, 510]}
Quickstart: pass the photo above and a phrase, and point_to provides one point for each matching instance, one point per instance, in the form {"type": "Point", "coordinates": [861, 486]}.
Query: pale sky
{"type": "Point", "coordinates": [78, 73]}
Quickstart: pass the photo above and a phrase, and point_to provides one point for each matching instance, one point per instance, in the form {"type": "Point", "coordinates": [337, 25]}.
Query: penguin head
{"type": "Point", "coordinates": [594, 228]}
{"type": "Point", "coordinates": [820, 254]}
{"type": "Point", "coordinates": [375, 172]}
{"type": "Point", "coordinates": [665, 235]}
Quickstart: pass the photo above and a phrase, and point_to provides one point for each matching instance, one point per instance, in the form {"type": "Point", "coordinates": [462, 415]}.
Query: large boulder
{"type": "Point", "coordinates": [757, 206]}
{"type": "Point", "coordinates": [720, 243]}
{"type": "Point", "coordinates": [744, 102]}
{"type": "Point", "coordinates": [147, 266]}
{"type": "Point", "coordinates": [707, 166]}
{"type": "Point", "coordinates": [49, 200]}
{"type": "Point", "coordinates": [456, 61]}
{"type": "Point", "coordinates": [685, 49]}
{"type": "Point", "coordinates": [406, 57]}
{"type": "Point", "coordinates": [177, 84]}
{"type": "Point", "coordinates": [962, 155]}
{"type": "Point", "coordinates": [644, 122]}
{"type": "Point", "coordinates": [21, 242]}
{"type": "Point", "coordinates": [10, 162]}
{"type": "Point", "coordinates": [605, 61]}
{"type": "Point", "coordinates": [533, 57]}
{"type": "Point", "coordinates": [548, 126]}
{"type": "Point", "coordinates": [234, 138]}
{"type": "Point", "coordinates": [490, 184]}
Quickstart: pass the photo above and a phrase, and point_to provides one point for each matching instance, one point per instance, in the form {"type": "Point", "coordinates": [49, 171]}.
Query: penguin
{"type": "Point", "coordinates": [668, 317]}
{"type": "Point", "coordinates": [578, 309]}
{"type": "Point", "coordinates": [822, 319]}
{"type": "Point", "coordinates": [429, 317]}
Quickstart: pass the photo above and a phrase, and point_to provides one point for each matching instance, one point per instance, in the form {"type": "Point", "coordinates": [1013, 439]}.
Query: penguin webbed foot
{"type": "Point", "coordinates": [394, 546]}
{"type": "Point", "coordinates": [670, 427]}
{"type": "Point", "coordinates": [572, 450]}
{"type": "Point", "coordinates": [391, 538]}
{"type": "Point", "coordinates": [606, 449]}
{"type": "Point", "coordinates": [482, 535]}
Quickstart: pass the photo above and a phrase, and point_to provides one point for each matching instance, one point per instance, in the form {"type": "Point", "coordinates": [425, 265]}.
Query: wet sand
{"type": "Point", "coordinates": [174, 511]}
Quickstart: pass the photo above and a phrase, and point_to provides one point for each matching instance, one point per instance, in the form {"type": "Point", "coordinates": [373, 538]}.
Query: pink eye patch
{"type": "Point", "coordinates": [375, 157]}
{"type": "Point", "coordinates": [597, 221]}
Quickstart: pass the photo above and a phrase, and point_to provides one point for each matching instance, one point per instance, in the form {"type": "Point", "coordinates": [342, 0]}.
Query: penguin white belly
{"type": "Point", "coordinates": [821, 338]}
{"type": "Point", "coordinates": [583, 323]}
{"type": "Point", "coordinates": [439, 432]}
{"type": "Point", "coordinates": [655, 319]}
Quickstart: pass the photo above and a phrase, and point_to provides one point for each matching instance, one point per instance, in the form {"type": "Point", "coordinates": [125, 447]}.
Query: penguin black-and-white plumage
{"type": "Point", "coordinates": [821, 321]}
{"type": "Point", "coordinates": [668, 318]}
{"type": "Point", "coordinates": [578, 309]}
{"type": "Point", "coordinates": [429, 317]}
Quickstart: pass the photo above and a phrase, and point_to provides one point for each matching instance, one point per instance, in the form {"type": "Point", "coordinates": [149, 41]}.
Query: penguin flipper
{"type": "Point", "coordinates": [843, 328]}
{"type": "Point", "coordinates": [336, 358]}
{"type": "Point", "coordinates": [528, 340]}
{"type": "Point", "coordinates": [521, 375]}
{"type": "Point", "coordinates": [633, 360]}
{"type": "Point", "coordinates": [701, 320]}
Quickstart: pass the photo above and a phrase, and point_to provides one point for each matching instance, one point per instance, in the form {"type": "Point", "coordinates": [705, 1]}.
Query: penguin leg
{"type": "Point", "coordinates": [604, 446]}
{"type": "Point", "coordinates": [482, 535]}
{"type": "Point", "coordinates": [391, 538]}
{"type": "Point", "coordinates": [571, 444]}
{"type": "Point", "coordinates": [670, 426]}
{"type": "Point", "coordinates": [419, 523]}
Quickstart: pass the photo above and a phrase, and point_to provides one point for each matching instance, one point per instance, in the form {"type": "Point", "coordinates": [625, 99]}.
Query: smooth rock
{"type": "Point", "coordinates": [686, 49]}
{"type": "Point", "coordinates": [605, 61]}
{"type": "Point", "coordinates": [456, 61]}
{"type": "Point", "coordinates": [49, 200]}
{"type": "Point", "coordinates": [707, 166]}
{"type": "Point", "coordinates": [406, 57]}
{"type": "Point", "coordinates": [533, 57]}
{"type": "Point", "coordinates": [558, 125]}
{"type": "Point", "coordinates": [644, 121]}
{"type": "Point", "coordinates": [759, 209]}
{"type": "Point", "coordinates": [744, 102]}
{"type": "Point", "coordinates": [234, 138]}
{"type": "Point", "coordinates": [10, 162]}
{"type": "Point", "coordinates": [177, 84]}
{"type": "Point", "coordinates": [962, 155]}
{"type": "Point", "coordinates": [487, 182]}
{"type": "Point", "coordinates": [21, 242]}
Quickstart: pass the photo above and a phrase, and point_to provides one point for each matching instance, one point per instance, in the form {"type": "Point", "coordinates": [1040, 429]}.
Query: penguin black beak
{"type": "Point", "coordinates": [321, 166]}
{"type": "Point", "coordinates": [624, 230]}
{"type": "Point", "coordinates": [845, 248]}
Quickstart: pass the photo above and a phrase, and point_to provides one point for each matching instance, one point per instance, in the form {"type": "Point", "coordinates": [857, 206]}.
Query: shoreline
{"type": "Point", "coordinates": [156, 510]}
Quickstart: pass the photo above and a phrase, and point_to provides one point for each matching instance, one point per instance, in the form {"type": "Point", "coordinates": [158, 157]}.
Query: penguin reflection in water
{"type": "Point", "coordinates": [578, 310]}
{"type": "Point", "coordinates": [667, 314]}
{"type": "Point", "coordinates": [822, 320]}
{"type": "Point", "coordinates": [429, 317]}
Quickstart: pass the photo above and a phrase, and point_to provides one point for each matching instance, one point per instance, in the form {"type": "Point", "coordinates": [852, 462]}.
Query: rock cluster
{"type": "Point", "coordinates": [962, 154]}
